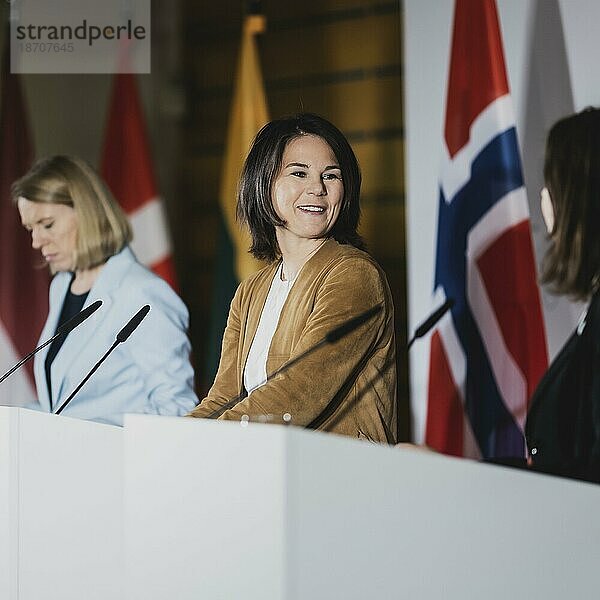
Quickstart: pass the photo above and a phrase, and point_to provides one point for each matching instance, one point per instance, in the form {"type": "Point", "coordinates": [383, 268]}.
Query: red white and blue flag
{"type": "Point", "coordinates": [488, 354]}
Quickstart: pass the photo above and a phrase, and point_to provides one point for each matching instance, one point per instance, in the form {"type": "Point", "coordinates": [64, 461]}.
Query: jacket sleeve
{"type": "Point", "coordinates": [163, 355]}
{"type": "Point", "coordinates": [225, 386]}
{"type": "Point", "coordinates": [307, 389]}
{"type": "Point", "coordinates": [594, 466]}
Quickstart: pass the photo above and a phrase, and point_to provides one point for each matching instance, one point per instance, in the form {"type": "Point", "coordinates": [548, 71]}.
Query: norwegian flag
{"type": "Point", "coordinates": [488, 354]}
{"type": "Point", "coordinates": [127, 169]}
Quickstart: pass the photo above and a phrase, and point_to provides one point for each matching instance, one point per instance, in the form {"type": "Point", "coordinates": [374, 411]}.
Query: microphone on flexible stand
{"type": "Point", "coordinates": [423, 329]}
{"type": "Point", "coordinates": [65, 328]}
{"type": "Point", "coordinates": [333, 336]}
{"type": "Point", "coordinates": [129, 328]}
{"type": "Point", "coordinates": [431, 321]}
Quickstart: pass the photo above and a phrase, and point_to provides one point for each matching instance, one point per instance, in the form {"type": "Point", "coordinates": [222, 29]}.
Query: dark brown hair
{"type": "Point", "coordinates": [572, 176]}
{"type": "Point", "coordinates": [263, 164]}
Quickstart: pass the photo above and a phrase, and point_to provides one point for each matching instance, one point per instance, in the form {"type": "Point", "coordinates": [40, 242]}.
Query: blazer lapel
{"type": "Point", "coordinates": [80, 351]}
{"type": "Point", "coordinates": [259, 296]}
{"type": "Point", "coordinates": [249, 327]}
{"type": "Point", "coordinates": [57, 297]}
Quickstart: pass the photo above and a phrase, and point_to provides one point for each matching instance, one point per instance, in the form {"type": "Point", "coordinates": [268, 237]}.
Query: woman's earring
{"type": "Point", "coordinates": [547, 209]}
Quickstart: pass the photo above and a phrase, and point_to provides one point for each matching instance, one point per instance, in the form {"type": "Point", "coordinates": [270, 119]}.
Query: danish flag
{"type": "Point", "coordinates": [128, 171]}
{"type": "Point", "coordinates": [488, 354]}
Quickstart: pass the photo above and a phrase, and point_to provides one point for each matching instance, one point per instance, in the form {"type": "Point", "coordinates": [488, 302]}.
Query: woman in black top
{"type": "Point", "coordinates": [563, 425]}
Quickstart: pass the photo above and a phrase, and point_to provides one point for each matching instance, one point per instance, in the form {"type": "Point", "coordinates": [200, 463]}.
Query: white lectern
{"type": "Point", "coordinates": [216, 510]}
{"type": "Point", "coordinates": [61, 498]}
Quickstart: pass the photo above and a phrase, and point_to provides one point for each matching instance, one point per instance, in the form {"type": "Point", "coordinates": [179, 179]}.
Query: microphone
{"type": "Point", "coordinates": [79, 318]}
{"type": "Point", "coordinates": [330, 338]}
{"type": "Point", "coordinates": [343, 330]}
{"type": "Point", "coordinates": [129, 328]}
{"type": "Point", "coordinates": [431, 321]}
{"type": "Point", "coordinates": [139, 316]}
{"type": "Point", "coordinates": [65, 328]}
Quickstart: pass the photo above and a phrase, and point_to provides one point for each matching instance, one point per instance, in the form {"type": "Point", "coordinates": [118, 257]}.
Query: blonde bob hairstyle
{"type": "Point", "coordinates": [102, 227]}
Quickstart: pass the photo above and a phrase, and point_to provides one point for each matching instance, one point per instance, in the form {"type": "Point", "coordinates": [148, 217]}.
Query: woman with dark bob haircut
{"type": "Point", "coordinates": [299, 196]}
{"type": "Point", "coordinates": [563, 425]}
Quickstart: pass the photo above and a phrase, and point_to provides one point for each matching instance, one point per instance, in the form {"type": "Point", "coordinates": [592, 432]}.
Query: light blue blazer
{"type": "Point", "coordinates": [148, 373]}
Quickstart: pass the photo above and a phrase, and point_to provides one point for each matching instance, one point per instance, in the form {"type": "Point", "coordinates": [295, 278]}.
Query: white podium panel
{"type": "Point", "coordinates": [215, 510]}
{"type": "Point", "coordinates": [61, 498]}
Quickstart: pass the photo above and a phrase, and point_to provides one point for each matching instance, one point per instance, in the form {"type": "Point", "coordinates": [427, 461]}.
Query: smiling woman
{"type": "Point", "coordinates": [307, 196]}
{"type": "Point", "coordinates": [299, 196]}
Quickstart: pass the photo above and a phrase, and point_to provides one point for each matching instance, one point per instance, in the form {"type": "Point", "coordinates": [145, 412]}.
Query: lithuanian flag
{"type": "Point", "coordinates": [248, 114]}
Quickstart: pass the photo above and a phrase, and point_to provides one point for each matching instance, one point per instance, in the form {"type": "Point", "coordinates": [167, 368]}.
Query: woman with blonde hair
{"type": "Point", "coordinates": [84, 238]}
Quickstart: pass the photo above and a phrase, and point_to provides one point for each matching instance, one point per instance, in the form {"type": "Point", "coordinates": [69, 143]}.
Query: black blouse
{"type": "Point", "coordinates": [71, 306]}
{"type": "Point", "coordinates": [563, 424]}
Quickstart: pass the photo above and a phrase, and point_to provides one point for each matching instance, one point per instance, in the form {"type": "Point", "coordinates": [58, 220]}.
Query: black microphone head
{"type": "Point", "coordinates": [429, 323]}
{"type": "Point", "coordinates": [346, 328]}
{"type": "Point", "coordinates": [79, 317]}
{"type": "Point", "coordinates": [133, 323]}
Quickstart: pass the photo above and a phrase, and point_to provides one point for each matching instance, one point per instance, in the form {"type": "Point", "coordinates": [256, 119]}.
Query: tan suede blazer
{"type": "Point", "coordinates": [348, 387]}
